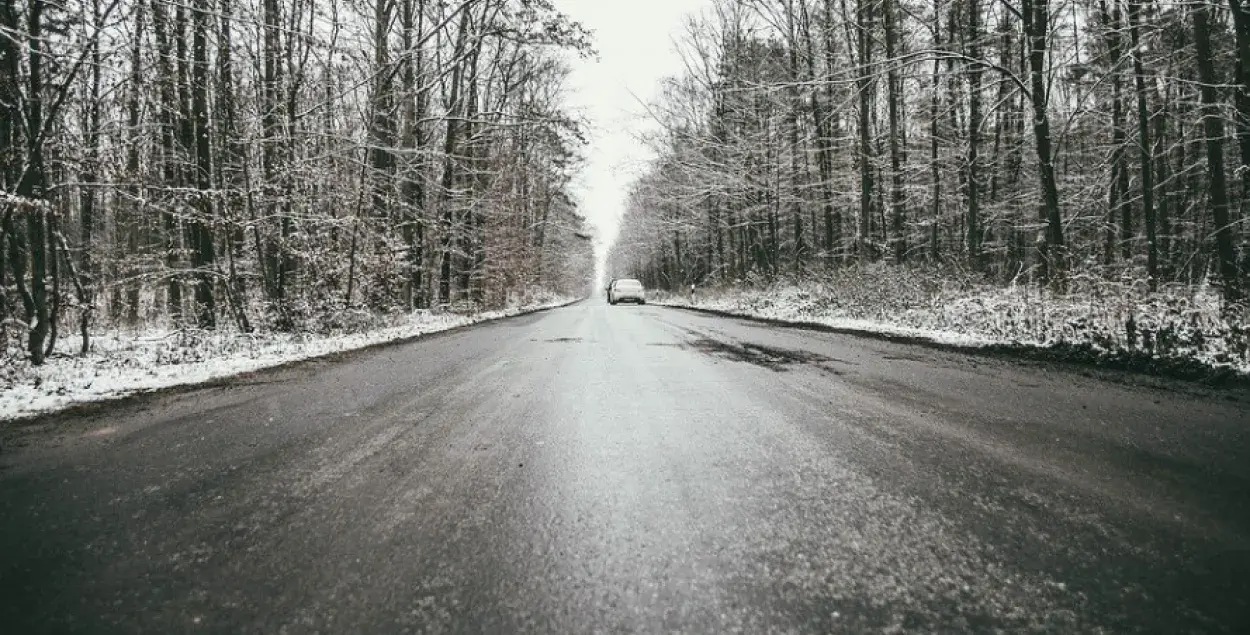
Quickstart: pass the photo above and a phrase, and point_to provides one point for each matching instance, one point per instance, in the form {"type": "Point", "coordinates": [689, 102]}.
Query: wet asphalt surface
{"type": "Point", "coordinates": [636, 469]}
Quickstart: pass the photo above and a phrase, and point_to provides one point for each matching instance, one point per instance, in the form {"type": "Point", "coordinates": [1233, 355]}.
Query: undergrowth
{"type": "Point", "coordinates": [1178, 330]}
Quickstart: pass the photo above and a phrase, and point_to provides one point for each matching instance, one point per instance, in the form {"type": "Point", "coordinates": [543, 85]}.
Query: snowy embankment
{"type": "Point", "coordinates": [1177, 331]}
{"type": "Point", "coordinates": [125, 363]}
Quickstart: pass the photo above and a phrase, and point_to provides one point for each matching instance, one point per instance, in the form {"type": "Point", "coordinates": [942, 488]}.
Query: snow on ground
{"type": "Point", "coordinates": [1108, 319]}
{"type": "Point", "coordinates": [122, 363]}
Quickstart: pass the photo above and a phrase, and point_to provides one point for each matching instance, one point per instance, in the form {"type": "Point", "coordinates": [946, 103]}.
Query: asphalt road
{"type": "Point", "coordinates": [636, 469]}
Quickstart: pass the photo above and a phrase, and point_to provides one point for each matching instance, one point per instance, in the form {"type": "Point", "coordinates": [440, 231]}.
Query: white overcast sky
{"type": "Point", "coordinates": [635, 42]}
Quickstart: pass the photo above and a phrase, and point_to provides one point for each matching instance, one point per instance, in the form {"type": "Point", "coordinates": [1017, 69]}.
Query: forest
{"type": "Point", "coordinates": [275, 165]}
{"type": "Point", "coordinates": [1058, 146]}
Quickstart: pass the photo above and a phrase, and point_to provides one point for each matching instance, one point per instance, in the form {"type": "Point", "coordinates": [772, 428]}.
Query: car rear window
{"type": "Point", "coordinates": [628, 284]}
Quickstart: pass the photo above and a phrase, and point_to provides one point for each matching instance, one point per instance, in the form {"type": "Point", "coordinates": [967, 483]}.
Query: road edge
{"type": "Point", "coordinates": [1068, 356]}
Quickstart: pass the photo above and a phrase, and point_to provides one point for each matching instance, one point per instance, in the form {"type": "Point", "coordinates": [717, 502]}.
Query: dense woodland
{"type": "Point", "coordinates": [1017, 140]}
{"type": "Point", "coordinates": [270, 163]}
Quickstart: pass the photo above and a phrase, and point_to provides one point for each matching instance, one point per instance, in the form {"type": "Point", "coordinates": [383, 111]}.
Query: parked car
{"type": "Point", "coordinates": [626, 290]}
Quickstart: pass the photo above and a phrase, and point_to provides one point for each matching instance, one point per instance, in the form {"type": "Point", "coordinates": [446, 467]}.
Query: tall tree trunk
{"type": "Point", "coordinates": [1120, 210]}
{"type": "Point", "coordinates": [171, 157]}
{"type": "Point", "coordinates": [10, 101]}
{"type": "Point", "coordinates": [1146, 148]}
{"type": "Point", "coordinates": [199, 228]}
{"type": "Point", "coordinates": [381, 128]}
{"type": "Point", "coordinates": [412, 20]}
{"type": "Point", "coordinates": [1240, 10]}
{"type": "Point", "coordinates": [231, 168]}
{"type": "Point", "coordinates": [1163, 168]}
{"type": "Point", "coordinates": [455, 109]}
{"type": "Point", "coordinates": [33, 185]}
{"type": "Point", "coordinates": [955, 102]}
{"type": "Point", "coordinates": [864, 84]}
{"type": "Point", "coordinates": [973, 223]}
{"type": "Point", "coordinates": [273, 249]}
{"type": "Point", "coordinates": [11, 253]}
{"type": "Point", "coordinates": [1213, 129]}
{"type": "Point", "coordinates": [90, 177]}
{"type": "Point", "coordinates": [833, 215]}
{"type": "Point", "coordinates": [898, 237]}
{"type": "Point", "coordinates": [796, 106]}
{"type": "Point", "coordinates": [1036, 15]}
{"type": "Point", "coordinates": [135, 210]}
{"type": "Point", "coordinates": [824, 160]}
{"type": "Point", "coordinates": [935, 170]}
{"type": "Point", "coordinates": [469, 244]}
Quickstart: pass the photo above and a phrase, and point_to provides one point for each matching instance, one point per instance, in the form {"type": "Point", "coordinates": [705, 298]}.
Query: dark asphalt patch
{"type": "Point", "coordinates": [774, 359]}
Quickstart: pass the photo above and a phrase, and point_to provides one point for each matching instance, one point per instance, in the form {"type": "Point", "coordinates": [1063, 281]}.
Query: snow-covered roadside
{"type": "Point", "coordinates": [121, 364]}
{"type": "Point", "coordinates": [1160, 332]}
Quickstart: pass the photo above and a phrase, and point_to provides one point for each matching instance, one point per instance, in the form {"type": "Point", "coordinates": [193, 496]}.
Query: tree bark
{"type": "Point", "coordinates": [231, 168]}
{"type": "Point", "coordinates": [274, 252]}
{"type": "Point", "coordinates": [451, 140]}
{"type": "Point", "coordinates": [1146, 148]}
{"type": "Point", "coordinates": [33, 186]}
{"type": "Point", "coordinates": [412, 20]}
{"type": "Point", "coordinates": [795, 111]}
{"type": "Point", "coordinates": [90, 176]}
{"type": "Point", "coordinates": [381, 128]}
{"type": "Point", "coordinates": [973, 223]}
{"type": "Point", "coordinates": [199, 228]}
{"type": "Point", "coordinates": [833, 216]}
{"type": "Point", "coordinates": [1036, 15]}
{"type": "Point", "coordinates": [171, 157]}
{"type": "Point", "coordinates": [935, 170]}
{"type": "Point", "coordinates": [10, 99]}
{"type": "Point", "coordinates": [1121, 212]}
{"type": "Point", "coordinates": [1213, 128]}
{"type": "Point", "coordinates": [136, 220]}
{"type": "Point", "coordinates": [1240, 10]}
{"type": "Point", "coordinates": [898, 237]}
{"type": "Point", "coordinates": [1163, 171]}
{"type": "Point", "coordinates": [864, 84]}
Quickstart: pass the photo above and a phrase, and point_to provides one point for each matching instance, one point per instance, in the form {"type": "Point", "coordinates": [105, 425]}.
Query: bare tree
{"type": "Point", "coordinates": [1213, 128]}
